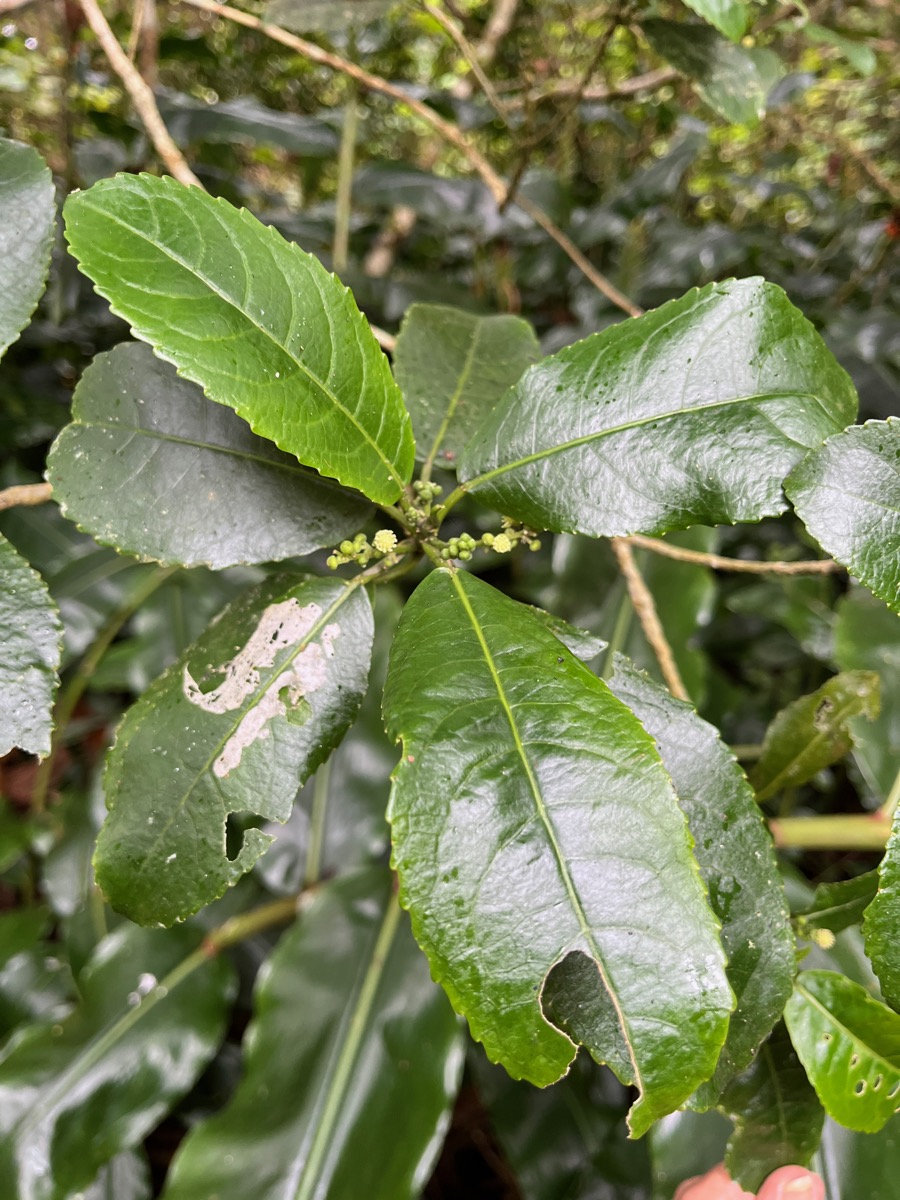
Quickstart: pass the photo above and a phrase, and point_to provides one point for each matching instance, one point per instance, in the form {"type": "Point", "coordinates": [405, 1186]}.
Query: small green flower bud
{"type": "Point", "coordinates": [445, 553]}
{"type": "Point", "coordinates": [488, 539]}
{"type": "Point", "coordinates": [535, 544]}
{"type": "Point", "coordinates": [465, 555]}
{"type": "Point", "coordinates": [347, 547]}
{"type": "Point", "coordinates": [359, 541]}
{"type": "Point", "coordinates": [332, 562]}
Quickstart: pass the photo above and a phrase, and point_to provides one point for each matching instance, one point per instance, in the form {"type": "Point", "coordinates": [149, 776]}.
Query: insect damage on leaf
{"type": "Point", "coordinates": [281, 626]}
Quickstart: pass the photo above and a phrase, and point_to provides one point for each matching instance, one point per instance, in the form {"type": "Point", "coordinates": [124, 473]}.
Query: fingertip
{"type": "Point", "coordinates": [793, 1183]}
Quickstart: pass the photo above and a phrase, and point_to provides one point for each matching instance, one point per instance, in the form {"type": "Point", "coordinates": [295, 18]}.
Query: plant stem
{"type": "Point", "coordinates": [23, 494]}
{"type": "Point", "coordinates": [81, 677]}
{"type": "Point", "coordinates": [346, 157]}
{"type": "Point", "coordinates": [889, 807]}
{"type": "Point", "coordinates": [312, 873]}
{"type": "Point", "coordinates": [867, 831]}
{"type": "Point", "coordinates": [645, 607]}
{"type": "Point", "coordinates": [717, 562]}
{"type": "Point", "coordinates": [245, 925]}
{"type": "Point", "coordinates": [619, 633]}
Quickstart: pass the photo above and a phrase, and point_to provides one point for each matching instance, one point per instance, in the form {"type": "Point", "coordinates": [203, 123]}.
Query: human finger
{"type": "Point", "coordinates": [792, 1183]}
{"type": "Point", "coordinates": [714, 1185]}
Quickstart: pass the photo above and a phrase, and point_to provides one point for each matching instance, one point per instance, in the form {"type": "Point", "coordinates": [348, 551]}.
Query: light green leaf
{"type": "Point", "coordinates": [353, 1099]}
{"type": "Point", "coordinates": [27, 220]}
{"type": "Point", "coordinates": [258, 324]}
{"type": "Point", "coordinates": [452, 367]}
{"type": "Point", "coordinates": [777, 1115]}
{"type": "Point", "coordinates": [737, 862]}
{"type": "Point", "coordinates": [77, 1092]}
{"type": "Point", "coordinates": [691, 414]}
{"type": "Point", "coordinates": [813, 732]}
{"type": "Point", "coordinates": [528, 812]}
{"type": "Point", "coordinates": [236, 724]}
{"type": "Point", "coordinates": [847, 494]}
{"type": "Point", "coordinates": [29, 655]}
{"type": "Point", "coordinates": [860, 56]}
{"type": "Point", "coordinates": [733, 80]}
{"type": "Point", "coordinates": [849, 1044]}
{"type": "Point", "coordinates": [731, 17]}
{"type": "Point", "coordinates": [837, 906]}
{"type": "Point", "coordinates": [145, 441]}
{"type": "Point", "coordinates": [881, 920]}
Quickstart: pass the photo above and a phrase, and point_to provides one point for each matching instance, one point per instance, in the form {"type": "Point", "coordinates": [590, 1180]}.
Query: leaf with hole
{"type": "Point", "coordinates": [236, 724]}
{"type": "Point", "coordinates": [813, 732]}
{"type": "Point", "coordinates": [143, 441]}
{"type": "Point", "coordinates": [27, 225]}
{"type": "Point", "coordinates": [849, 1044]}
{"type": "Point", "coordinates": [354, 1099]}
{"type": "Point", "coordinates": [691, 414]}
{"type": "Point", "coordinates": [847, 494]}
{"type": "Point", "coordinates": [258, 324]}
{"type": "Point", "coordinates": [737, 863]}
{"type": "Point", "coordinates": [528, 810]}
{"type": "Point", "coordinates": [452, 367]}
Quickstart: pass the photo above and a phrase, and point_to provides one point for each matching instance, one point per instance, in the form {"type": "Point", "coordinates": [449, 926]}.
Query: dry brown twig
{"type": "Point", "coordinates": [718, 562]}
{"type": "Point", "coordinates": [645, 607]}
{"type": "Point", "coordinates": [141, 96]}
{"type": "Point", "coordinates": [446, 129]}
{"type": "Point", "coordinates": [470, 54]}
{"type": "Point", "coordinates": [24, 494]}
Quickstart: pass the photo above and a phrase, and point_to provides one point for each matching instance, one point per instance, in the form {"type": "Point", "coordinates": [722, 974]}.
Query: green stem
{"type": "Point", "coordinates": [346, 159]}
{"type": "Point", "coordinates": [81, 677]}
{"type": "Point", "coordinates": [619, 633]}
{"type": "Point", "coordinates": [889, 807]}
{"type": "Point", "coordinates": [245, 925]}
{"type": "Point", "coordinates": [452, 500]}
{"type": "Point", "coordinates": [312, 873]}
{"type": "Point", "coordinates": [867, 831]}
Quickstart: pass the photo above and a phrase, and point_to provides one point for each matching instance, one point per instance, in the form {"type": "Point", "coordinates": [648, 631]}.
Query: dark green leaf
{"type": "Point", "coordinates": [261, 326]}
{"type": "Point", "coordinates": [837, 906]}
{"type": "Point", "coordinates": [125, 1177]}
{"type": "Point", "coordinates": [581, 642]}
{"type": "Point", "coordinates": [353, 1099]}
{"type": "Point", "coordinates": [452, 367]}
{"type": "Point", "coordinates": [684, 1145]}
{"type": "Point", "coordinates": [27, 220]}
{"type": "Point", "coordinates": [777, 1115]}
{"type": "Point", "coordinates": [730, 17]}
{"type": "Point", "coordinates": [867, 637]}
{"type": "Point", "coordinates": [145, 441]}
{"type": "Point", "coordinates": [737, 862]}
{"type": "Point", "coordinates": [882, 917]}
{"type": "Point", "coordinates": [849, 1044]}
{"type": "Point", "coordinates": [863, 1165]}
{"type": "Point", "coordinates": [568, 1141]}
{"type": "Point", "coordinates": [813, 732]}
{"type": "Point", "coordinates": [733, 80]}
{"type": "Point", "coordinates": [34, 982]}
{"type": "Point", "coordinates": [847, 493]}
{"type": "Point", "coordinates": [245, 120]}
{"type": "Point", "coordinates": [29, 655]}
{"type": "Point", "coordinates": [529, 811]}
{"type": "Point", "coordinates": [75, 1093]}
{"type": "Point", "coordinates": [691, 414]}
{"type": "Point", "coordinates": [238, 723]}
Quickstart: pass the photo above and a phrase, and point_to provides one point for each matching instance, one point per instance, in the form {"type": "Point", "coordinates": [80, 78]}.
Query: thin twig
{"type": "Point", "coordinates": [470, 55]}
{"type": "Point", "coordinates": [448, 131]}
{"type": "Point", "coordinates": [141, 96]}
{"type": "Point", "coordinates": [717, 562]}
{"type": "Point", "coordinates": [871, 168]}
{"type": "Point", "coordinates": [499, 24]}
{"type": "Point", "coordinates": [853, 831]}
{"type": "Point", "coordinates": [599, 91]}
{"type": "Point", "coordinates": [385, 340]}
{"type": "Point", "coordinates": [24, 494]}
{"type": "Point", "coordinates": [645, 607]}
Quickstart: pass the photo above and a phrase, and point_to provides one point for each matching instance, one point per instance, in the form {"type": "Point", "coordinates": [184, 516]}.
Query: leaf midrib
{"type": "Point", "coordinates": [541, 807]}
{"type": "Point", "coordinates": [598, 435]}
{"type": "Point", "coordinates": [304, 369]}
{"type": "Point", "coordinates": [457, 394]}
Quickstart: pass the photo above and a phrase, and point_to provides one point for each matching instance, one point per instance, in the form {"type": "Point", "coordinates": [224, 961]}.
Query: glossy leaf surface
{"type": "Point", "coordinates": [882, 917]}
{"type": "Point", "coordinates": [353, 1099]}
{"type": "Point", "coordinates": [75, 1093]}
{"type": "Point", "coordinates": [813, 732]}
{"type": "Point", "coordinates": [778, 1117]}
{"type": "Point", "coordinates": [144, 441]}
{"type": "Point", "coordinates": [737, 862]}
{"type": "Point", "coordinates": [837, 906]}
{"type": "Point", "coordinates": [29, 655]}
{"type": "Point", "coordinates": [847, 493]}
{"type": "Point", "coordinates": [529, 811]}
{"type": "Point", "coordinates": [236, 724]}
{"type": "Point", "coordinates": [691, 414]}
{"type": "Point", "coordinates": [27, 222]}
{"type": "Point", "coordinates": [849, 1044]}
{"type": "Point", "coordinates": [244, 120]}
{"type": "Point", "coordinates": [730, 17]}
{"type": "Point", "coordinates": [261, 326]}
{"type": "Point", "coordinates": [452, 367]}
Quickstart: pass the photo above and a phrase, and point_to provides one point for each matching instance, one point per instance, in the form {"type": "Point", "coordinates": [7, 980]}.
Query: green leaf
{"type": "Point", "coordinates": [863, 1165]}
{"type": "Point", "coordinates": [684, 1145]}
{"type": "Point", "coordinates": [258, 324]}
{"type": "Point", "coordinates": [452, 367]}
{"type": "Point", "coordinates": [244, 121]}
{"type": "Point", "coordinates": [354, 1099]}
{"type": "Point", "coordinates": [75, 1093]}
{"type": "Point", "coordinates": [813, 732]}
{"type": "Point", "coordinates": [29, 655]}
{"type": "Point", "coordinates": [731, 17]}
{"type": "Point", "coordinates": [882, 917]}
{"type": "Point", "coordinates": [777, 1115]}
{"type": "Point", "coordinates": [847, 494]}
{"type": "Point", "coordinates": [691, 414]}
{"type": "Point", "coordinates": [238, 723]}
{"type": "Point", "coordinates": [837, 906]}
{"type": "Point", "coordinates": [737, 863]}
{"type": "Point", "coordinates": [733, 80]}
{"type": "Point", "coordinates": [867, 637]}
{"type": "Point", "coordinates": [860, 56]}
{"type": "Point", "coordinates": [27, 222]}
{"type": "Point", "coordinates": [125, 1177]}
{"type": "Point", "coordinates": [143, 440]}
{"type": "Point", "coordinates": [35, 984]}
{"type": "Point", "coordinates": [849, 1044]}
{"type": "Point", "coordinates": [528, 811]}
